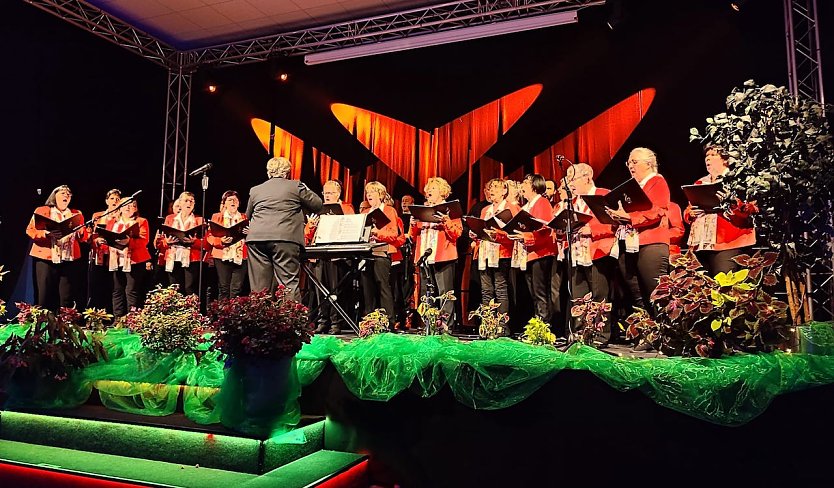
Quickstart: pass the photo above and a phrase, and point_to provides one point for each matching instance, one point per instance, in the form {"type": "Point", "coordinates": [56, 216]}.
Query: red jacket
{"type": "Point", "coordinates": [42, 245]}
{"type": "Point", "coordinates": [397, 256]}
{"type": "Point", "coordinates": [676, 228]}
{"type": "Point", "coordinates": [216, 243]}
{"type": "Point", "coordinates": [138, 245]}
{"type": "Point", "coordinates": [389, 234]}
{"type": "Point", "coordinates": [731, 232]}
{"type": "Point", "coordinates": [96, 248]}
{"type": "Point", "coordinates": [652, 224]}
{"type": "Point", "coordinates": [447, 236]}
{"type": "Point", "coordinates": [603, 237]}
{"type": "Point", "coordinates": [506, 249]}
{"type": "Point", "coordinates": [540, 243]}
{"type": "Point", "coordinates": [196, 246]}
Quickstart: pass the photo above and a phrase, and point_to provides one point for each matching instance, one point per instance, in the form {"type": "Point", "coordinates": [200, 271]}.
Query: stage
{"type": "Point", "coordinates": [439, 411]}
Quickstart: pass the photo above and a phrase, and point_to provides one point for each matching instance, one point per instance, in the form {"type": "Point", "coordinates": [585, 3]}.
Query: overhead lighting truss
{"type": "Point", "coordinates": [95, 21]}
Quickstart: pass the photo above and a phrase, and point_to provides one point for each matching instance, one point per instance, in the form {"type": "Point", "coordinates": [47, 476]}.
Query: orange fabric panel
{"type": "Point", "coordinates": [286, 145]}
{"type": "Point", "coordinates": [329, 169]}
{"type": "Point", "coordinates": [515, 104]}
{"type": "Point", "coordinates": [598, 140]}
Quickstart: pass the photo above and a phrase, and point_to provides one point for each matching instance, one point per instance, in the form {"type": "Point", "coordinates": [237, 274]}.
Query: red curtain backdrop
{"type": "Point", "coordinates": [448, 151]}
{"type": "Point", "coordinates": [329, 169]}
{"type": "Point", "coordinates": [598, 140]}
{"type": "Point", "coordinates": [286, 145]}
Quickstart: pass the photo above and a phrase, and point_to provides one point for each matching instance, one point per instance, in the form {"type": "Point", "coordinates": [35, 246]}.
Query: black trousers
{"type": "Point", "coordinates": [330, 273]}
{"type": "Point", "coordinates": [100, 285]}
{"type": "Point", "coordinates": [128, 291]}
{"type": "Point", "coordinates": [495, 284]}
{"type": "Point", "coordinates": [719, 261]}
{"type": "Point", "coordinates": [538, 276]}
{"type": "Point", "coordinates": [185, 277]}
{"type": "Point", "coordinates": [641, 271]}
{"type": "Point", "coordinates": [272, 263]}
{"type": "Point", "coordinates": [376, 287]}
{"type": "Point", "coordinates": [443, 281]}
{"type": "Point", "coordinates": [596, 279]}
{"type": "Point", "coordinates": [558, 296]}
{"type": "Point", "coordinates": [55, 283]}
{"type": "Point", "coordinates": [230, 278]}
{"type": "Point", "coordinates": [398, 287]}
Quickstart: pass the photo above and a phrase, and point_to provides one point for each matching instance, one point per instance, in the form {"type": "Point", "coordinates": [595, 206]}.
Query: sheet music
{"type": "Point", "coordinates": [340, 228]}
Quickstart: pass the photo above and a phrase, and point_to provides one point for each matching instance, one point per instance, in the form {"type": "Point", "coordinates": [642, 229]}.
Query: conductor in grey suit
{"type": "Point", "coordinates": [276, 228]}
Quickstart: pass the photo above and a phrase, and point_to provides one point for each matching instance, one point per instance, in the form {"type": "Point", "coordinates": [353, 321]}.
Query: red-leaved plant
{"type": "Point", "coordinates": [699, 315]}
{"type": "Point", "coordinates": [261, 325]}
{"type": "Point", "coordinates": [592, 317]}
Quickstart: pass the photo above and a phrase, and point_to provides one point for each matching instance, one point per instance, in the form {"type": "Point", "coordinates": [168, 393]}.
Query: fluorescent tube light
{"type": "Point", "coordinates": [444, 37]}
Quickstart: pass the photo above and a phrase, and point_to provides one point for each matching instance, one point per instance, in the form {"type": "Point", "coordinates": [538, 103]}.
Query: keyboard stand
{"type": "Point", "coordinates": [330, 296]}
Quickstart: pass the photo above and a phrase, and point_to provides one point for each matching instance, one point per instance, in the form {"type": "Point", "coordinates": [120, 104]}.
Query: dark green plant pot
{"type": "Point", "coordinates": [259, 396]}
{"type": "Point", "coordinates": [27, 390]}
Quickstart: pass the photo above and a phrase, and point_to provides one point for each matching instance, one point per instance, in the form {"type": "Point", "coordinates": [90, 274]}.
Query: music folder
{"type": "Point", "coordinates": [112, 238]}
{"type": "Point", "coordinates": [629, 193]}
{"type": "Point", "coordinates": [577, 220]}
{"type": "Point", "coordinates": [378, 218]}
{"type": "Point", "coordinates": [65, 227]}
{"type": "Point", "coordinates": [427, 213]}
{"type": "Point", "coordinates": [704, 196]}
{"type": "Point", "coordinates": [235, 231]}
{"type": "Point", "coordinates": [196, 231]}
{"type": "Point", "coordinates": [331, 209]}
{"type": "Point", "coordinates": [480, 226]}
{"type": "Point", "coordinates": [523, 222]}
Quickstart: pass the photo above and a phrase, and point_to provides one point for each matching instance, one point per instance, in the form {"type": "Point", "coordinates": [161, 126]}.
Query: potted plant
{"type": "Point", "coordinates": [537, 332]}
{"type": "Point", "coordinates": [37, 368]}
{"type": "Point", "coordinates": [493, 323]}
{"type": "Point", "coordinates": [592, 317]}
{"type": "Point", "coordinates": [169, 321]}
{"type": "Point", "coordinates": [260, 335]}
{"type": "Point", "coordinates": [780, 149]}
{"type": "Point", "coordinates": [431, 311]}
{"type": "Point", "coordinates": [375, 322]}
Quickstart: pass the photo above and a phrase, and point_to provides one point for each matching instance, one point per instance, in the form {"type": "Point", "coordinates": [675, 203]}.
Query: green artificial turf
{"type": "Point", "coordinates": [296, 444]}
{"type": "Point", "coordinates": [307, 470]}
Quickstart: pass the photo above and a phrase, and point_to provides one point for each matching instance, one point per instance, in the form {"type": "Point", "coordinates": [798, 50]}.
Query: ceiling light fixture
{"type": "Point", "coordinates": [443, 37]}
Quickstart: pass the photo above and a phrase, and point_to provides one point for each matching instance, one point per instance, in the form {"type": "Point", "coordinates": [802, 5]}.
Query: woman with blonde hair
{"type": "Point", "coordinates": [128, 264]}
{"type": "Point", "coordinates": [182, 257]}
{"type": "Point", "coordinates": [376, 277]}
{"type": "Point", "coordinates": [229, 256]}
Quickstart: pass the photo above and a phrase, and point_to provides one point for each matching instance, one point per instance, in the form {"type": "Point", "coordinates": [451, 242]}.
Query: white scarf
{"type": "Point", "coordinates": [120, 258]}
{"type": "Point", "coordinates": [581, 248]}
{"type": "Point", "coordinates": [429, 232]}
{"type": "Point", "coordinates": [702, 235]}
{"type": "Point", "coordinates": [179, 252]}
{"type": "Point", "coordinates": [519, 259]}
{"type": "Point", "coordinates": [490, 252]}
{"type": "Point", "coordinates": [629, 234]}
{"type": "Point", "coordinates": [233, 253]}
{"type": "Point", "coordinates": [61, 248]}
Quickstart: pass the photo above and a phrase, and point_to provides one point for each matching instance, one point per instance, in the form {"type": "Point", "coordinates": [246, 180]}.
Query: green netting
{"type": "Point", "coordinates": [817, 338]}
{"type": "Point", "coordinates": [313, 357]}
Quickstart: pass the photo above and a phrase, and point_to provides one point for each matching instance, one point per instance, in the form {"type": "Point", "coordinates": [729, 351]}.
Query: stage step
{"type": "Point", "coordinates": [337, 468]}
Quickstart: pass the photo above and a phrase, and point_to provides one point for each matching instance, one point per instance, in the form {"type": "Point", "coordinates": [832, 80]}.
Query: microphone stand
{"type": "Point", "coordinates": [204, 183]}
{"type": "Point", "coordinates": [428, 272]}
{"type": "Point", "coordinates": [569, 251]}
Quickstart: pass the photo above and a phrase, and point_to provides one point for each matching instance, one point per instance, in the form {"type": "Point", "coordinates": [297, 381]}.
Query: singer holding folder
{"type": "Point", "coordinates": [533, 251]}
{"type": "Point", "coordinates": [182, 256]}
{"type": "Point", "coordinates": [376, 277]}
{"type": "Point", "coordinates": [127, 264]}
{"type": "Point", "coordinates": [494, 258]}
{"type": "Point", "coordinates": [644, 235]}
{"type": "Point", "coordinates": [717, 238]}
{"type": "Point", "coordinates": [228, 252]}
{"type": "Point", "coordinates": [56, 255]}
{"type": "Point", "coordinates": [99, 281]}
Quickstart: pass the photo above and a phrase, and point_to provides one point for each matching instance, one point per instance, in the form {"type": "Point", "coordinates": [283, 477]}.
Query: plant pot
{"type": "Point", "coordinates": [27, 390]}
{"type": "Point", "coordinates": [259, 396]}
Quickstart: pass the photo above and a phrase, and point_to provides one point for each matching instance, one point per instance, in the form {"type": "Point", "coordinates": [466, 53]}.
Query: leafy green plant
{"type": "Point", "coordinates": [96, 319]}
{"type": "Point", "coordinates": [780, 153]}
{"type": "Point", "coordinates": [592, 317]}
{"type": "Point", "coordinates": [430, 310]}
{"type": "Point", "coordinates": [53, 346]}
{"type": "Point", "coordinates": [169, 321]}
{"type": "Point", "coordinates": [537, 332]}
{"type": "Point", "coordinates": [708, 317]}
{"type": "Point", "coordinates": [374, 323]}
{"type": "Point", "coordinates": [493, 323]}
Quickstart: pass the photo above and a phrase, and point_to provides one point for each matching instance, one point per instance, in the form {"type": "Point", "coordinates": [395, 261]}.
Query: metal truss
{"type": "Point", "coordinates": [95, 21]}
{"type": "Point", "coordinates": [436, 18]}
{"type": "Point", "coordinates": [805, 80]}
{"type": "Point", "coordinates": [177, 123]}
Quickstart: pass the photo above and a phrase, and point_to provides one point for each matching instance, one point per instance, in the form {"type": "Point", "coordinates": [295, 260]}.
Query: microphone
{"type": "Point", "coordinates": [202, 169]}
{"type": "Point", "coordinates": [423, 258]}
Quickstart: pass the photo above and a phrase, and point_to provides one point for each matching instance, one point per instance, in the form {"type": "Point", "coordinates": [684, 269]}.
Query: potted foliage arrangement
{"type": "Point", "coordinates": [592, 318]}
{"type": "Point", "coordinates": [493, 323]}
{"type": "Point", "coordinates": [37, 367]}
{"type": "Point", "coordinates": [780, 149]}
{"type": "Point", "coordinates": [260, 335]}
{"type": "Point", "coordinates": [538, 333]}
{"type": "Point", "coordinates": [431, 311]}
{"type": "Point", "coordinates": [375, 322]}
{"type": "Point", "coordinates": [696, 315]}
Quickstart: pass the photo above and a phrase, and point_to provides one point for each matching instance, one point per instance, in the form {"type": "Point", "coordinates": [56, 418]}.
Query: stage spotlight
{"type": "Point", "coordinates": [211, 88]}
{"type": "Point", "coordinates": [283, 77]}
{"type": "Point", "coordinates": [737, 5]}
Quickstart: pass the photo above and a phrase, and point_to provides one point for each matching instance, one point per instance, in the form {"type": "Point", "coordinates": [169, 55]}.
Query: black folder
{"type": "Point", "coordinates": [196, 231]}
{"type": "Point", "coordinates": [704, 196]}
{"type": "Point", "coordinates": [577, 220]}
{"type": "Point", "coordinates": [426, 213]}
{"type": "Point", "coordinates": [235, 231]}
{"type": "Point", "coordinates": [112, 237]}
{"type": "Point", "coordinates": [523, 222]}
{"type": "Point", "coordinates": [65, 227]}
{"type": "Point", "coordinates": [331, 209]}
{"type": "Point", "coordinates": [378, 218]}
{"type": "Point", "coordinates": [480, 226]}
{"type": "Point", "coordinates": [633, 198]}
